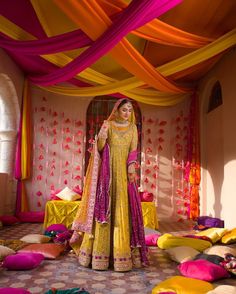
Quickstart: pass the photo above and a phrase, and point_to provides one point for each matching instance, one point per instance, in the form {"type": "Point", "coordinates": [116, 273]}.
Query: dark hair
{"type": "Point", "coordinates": [124, 102]}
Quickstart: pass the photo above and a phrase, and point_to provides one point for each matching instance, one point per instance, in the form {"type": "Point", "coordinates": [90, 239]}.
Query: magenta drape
{"type": "Point", "coordinates": [136, 14]}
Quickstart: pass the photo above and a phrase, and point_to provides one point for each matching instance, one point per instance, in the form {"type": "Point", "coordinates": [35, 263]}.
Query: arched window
{"type": "Point", "coordinates": [215, 97]}
{"type": "Point", "coordinates": [98, 110]}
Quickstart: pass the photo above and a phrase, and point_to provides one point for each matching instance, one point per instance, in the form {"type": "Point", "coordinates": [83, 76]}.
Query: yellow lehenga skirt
{"type": "Point", "coordinates": [109, 244]}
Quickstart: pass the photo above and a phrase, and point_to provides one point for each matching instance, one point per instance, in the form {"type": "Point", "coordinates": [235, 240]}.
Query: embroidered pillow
{"type": "Point", "coordinates": [220, 250]}
{"type": "Point", "coordinates": [203, 270]}
{"type": "Point", "coordinates": [182, 285]}
{"type": "Point", "coordinates": [229, 237]}
{"type": "Point", "coordinates": [23, 261]}
{"type": "Point", "coordinates": [68, 194]}
{"type": "Point", "coordinates": [167, 241]}
{"type": "Point", "coordinates": [5, 251]}
{"type": "Point", "coordinates": [215, 234]}
{"type": "Point", "coordinates": [49, 250]}
{"type": "Point", "coordinates": [182, 253]}
{"type": "Point", "coordinates": [35, 238]}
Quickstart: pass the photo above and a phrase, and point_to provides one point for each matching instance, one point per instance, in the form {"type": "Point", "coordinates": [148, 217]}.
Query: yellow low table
{"type": "Point", "coordinates": [64, 212]}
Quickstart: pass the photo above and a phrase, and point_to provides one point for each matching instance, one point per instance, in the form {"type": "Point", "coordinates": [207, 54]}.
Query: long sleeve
{"type": "Point", "coordinates": [134, 142]}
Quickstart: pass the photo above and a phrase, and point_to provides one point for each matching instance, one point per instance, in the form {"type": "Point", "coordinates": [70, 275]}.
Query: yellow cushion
{"type": "Point", "coordinates": [215, 234]}
{"type": "Point", "coordinates": [229, 237]}
{"type": "Point", "coordinates": [169, 241]}
{"type": "Point", "coordinates": [183, 285]}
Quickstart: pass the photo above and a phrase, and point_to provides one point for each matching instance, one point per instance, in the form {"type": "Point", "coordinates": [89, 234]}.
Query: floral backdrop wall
{"type": "Point", "coordinates": [60, 128]}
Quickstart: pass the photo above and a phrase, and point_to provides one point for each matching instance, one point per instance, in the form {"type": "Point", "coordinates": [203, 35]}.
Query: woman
{"type": "Point", "coordinates": [116, 237]}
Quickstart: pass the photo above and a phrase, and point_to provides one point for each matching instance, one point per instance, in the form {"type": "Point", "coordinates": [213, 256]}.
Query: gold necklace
{"type": "Point", "coordinates": [121, 121]}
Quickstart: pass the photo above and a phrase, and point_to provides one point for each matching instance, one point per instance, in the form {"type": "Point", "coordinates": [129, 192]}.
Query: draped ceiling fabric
{"type": "Point", "coordinates": [152, 51]}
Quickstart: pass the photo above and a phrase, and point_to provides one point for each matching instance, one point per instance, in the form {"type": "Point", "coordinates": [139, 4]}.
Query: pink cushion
{"type": "Point", "coordinates": [14, 291]}
{"type": "Point", "coordinates": [23, 261]}
{"type": "Point", "coordinates": [49, 250]}
{"type": "Point", "coordinates": [31, 216]}
{"type": "Point", "coordinates": [8, 220]}
{"type": "Point", "coordinates": [203, 270]}
{"type": "Point", "coordinates": [56, 228]}
{"type": "Point", "coordinates": [151, 239]}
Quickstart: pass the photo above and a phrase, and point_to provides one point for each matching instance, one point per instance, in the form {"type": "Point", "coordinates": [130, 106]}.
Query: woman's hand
{"type": "Point", "coordinates": [131, 177]}
{"type": "Point", "coordinates": [104, 130]}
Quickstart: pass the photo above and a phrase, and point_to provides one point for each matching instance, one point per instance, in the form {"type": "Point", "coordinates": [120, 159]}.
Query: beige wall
{"type": "Point", "coordinates": [218, 143]}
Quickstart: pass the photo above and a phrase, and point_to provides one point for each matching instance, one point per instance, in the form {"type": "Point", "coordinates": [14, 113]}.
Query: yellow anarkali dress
{"type": "Point", "coordinates": [109, 243]}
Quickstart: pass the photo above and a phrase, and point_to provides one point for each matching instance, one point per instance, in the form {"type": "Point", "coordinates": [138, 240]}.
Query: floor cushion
{"type": "Point", "coordinates": [23, 261]}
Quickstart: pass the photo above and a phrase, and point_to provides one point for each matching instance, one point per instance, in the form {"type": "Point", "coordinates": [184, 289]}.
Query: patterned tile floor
{"type": "Point", "coordinates": [65, 272]}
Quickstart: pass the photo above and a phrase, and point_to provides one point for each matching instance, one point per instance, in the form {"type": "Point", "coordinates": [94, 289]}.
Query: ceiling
{"type": "Point", "coordinates": [207, 18]}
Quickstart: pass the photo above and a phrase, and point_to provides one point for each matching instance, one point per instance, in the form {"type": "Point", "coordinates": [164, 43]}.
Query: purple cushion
{"type": "Point", "coordinates": [151, 239]}
{"type": "Point", "coordinates": [31, 216]}
{"type": "Point", "coordinates": [23, 261]}
{"type": "Point", "coordinates": [56, 228]}
{"type": "Point", "coordinates": [14, 291]}
{"type": "Point", "coordinates": [202, 270]}
{"type": "Point", "coordinates": [210, 222]}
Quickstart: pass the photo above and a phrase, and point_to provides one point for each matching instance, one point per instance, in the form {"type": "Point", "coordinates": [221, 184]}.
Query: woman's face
{"type": "Point", "coordinates": [125, 111]}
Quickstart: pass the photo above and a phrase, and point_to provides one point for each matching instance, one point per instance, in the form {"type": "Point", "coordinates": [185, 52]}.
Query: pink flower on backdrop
{"type": "Point", "coordinates": [155, 176]}
{"type": "Point", "coordinates": [55, 113]}
{"type": "Point", "coordinates": [66, 172]}
{"type": "Point", "coordinates": [146, 181]}
{"type": "Point", "coordinates": [178, 119]}
{"type": "Point", "coordinates": [39, 177]}
{"type": "Point", "coordinates": [148, 150]}
{"type": "Point", "coordinates": [51, 174]}
{"type": "Point", "coordinates": [90, 140]}
{"type": "Point", "coordinates": [148, 162]}
{"type": "Point", "coordinates": [36, 109]}
{"type": "Point", "coordinates": [78, 151]}
{"type": "Point", "coordinates": [153, 186]}
{"type": "Point", "coordinates": [80, 133]}
{"type": "Point", "coordinates": [150, 121]}
{"type": "Point", "coordinates": [53, 167]}
{"type": "Point", "coordinates": [41, 146]}
{"type": "Point", "coordinates": [44, 99]}
{"type": "Point", "coordinates": [54, 141]}
{"type": "Point", "coordinates": [178, 128]}
{"type": "Point", "coordinates": [39, 204]}
{"type": "Point", "coordinates": [52, 187]}
{"type": "Point", "coordinates": [78, 123]}
{"type": "Point", "coordinates": [40, 167]}
{"type": "Point", "coordinates": [39, 193]}
{"type": "Point", "coordinates": [161, 131]}
{"type": "Point", "coordinates": [149, 141]}
{"type": "Point", "coordinates": [42, 120]}
{"type": "Point", "coordinates": [55, 123]}
{"type": "Point", "coordinates": [78, 167]}
{"type": "Point", "coordinates": [54, 153]}
{"type": "Point", "coordinates": [42, 129]}
{"type": "Point", "coordinates": [160, 148]}
{"type": "Point", "coordinates": [148, 131]}
{"type": "Point", "coordinates": [67, 163]}
{"type": "Point", "coordinates": [42, 108]}
{"type": "Point", "coordinates": [41, 157]}
{"type": "Point", "coordinates": [147, 171]}
{"type": "Point", "coordinates": [78, 177]}
{"type": "Point", "coordinates": [78, 143]}
{"type": "Point", "coordinates": [161, 140]}
{"type": "Point", "coordinates": [67, 147]}
{"type": "Point", "coordinates": [68, 139]}
{"type": "Point", "coordinates": [163, 123]}
{"type": "Point", "coordinates": [155, 167]}
{"type": "Point", "coordinates": [67, 121]}
{"type": "Point", "coordinates": [65, 182]}
{"type": "Point", "coordinates": [54, 131]}
{"type": "Point", "coordinates": [67, 130]}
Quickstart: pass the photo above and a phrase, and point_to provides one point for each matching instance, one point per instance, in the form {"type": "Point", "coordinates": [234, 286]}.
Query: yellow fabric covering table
{"type": "Point", "coordinates": [64, 212]}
